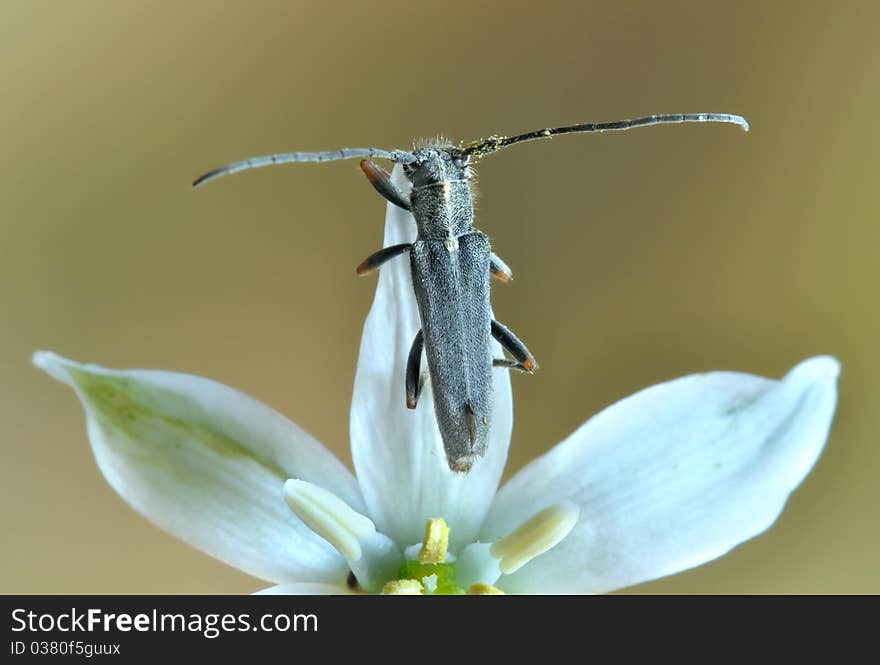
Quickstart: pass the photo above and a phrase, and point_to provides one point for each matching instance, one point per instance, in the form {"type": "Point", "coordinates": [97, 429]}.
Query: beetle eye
{"type": "Point", "coordinates": [462, 161]}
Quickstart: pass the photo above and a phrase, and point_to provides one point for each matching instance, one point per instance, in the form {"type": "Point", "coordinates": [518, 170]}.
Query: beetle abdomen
{"type": "Point", "coordinates": [451, 283]}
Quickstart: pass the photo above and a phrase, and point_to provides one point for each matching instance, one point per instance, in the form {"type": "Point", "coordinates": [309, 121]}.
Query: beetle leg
{"type": "Point", "coordinates": [510, 364]}
{"type": "Point", "coordinates": [376, 259]}
{"type": "Point", "coordinates": [499, 268]}
{"type": "Point", "coordinates": [516, 348]}
{"type": "Point", "coordinates": [413, 368]}
{"type": "Point", "coordinates": [381, 181]}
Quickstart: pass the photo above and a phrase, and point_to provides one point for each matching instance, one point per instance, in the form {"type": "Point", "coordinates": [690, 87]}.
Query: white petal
{"type": "Point", "coordinates": [672, 477]}
{"type": "Point", "coordinates": [208, 464]}
{"type": "Point", "coordinates": [397, 452]}
{"type": "Point", "coordinates": [305, 589]}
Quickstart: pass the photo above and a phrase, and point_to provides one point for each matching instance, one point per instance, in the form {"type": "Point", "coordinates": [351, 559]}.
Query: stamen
{"type": "Point", "coordinates": [411, 553]}
{"type": "Point", "coordinates": [476, 566]}
{"type": "Point", "coordinates": [329, 516]}
{"type": "Point", "coordinates": [536, 536]}
{"type": "Point", "coordinates": [483, 590]}
{"type": "Point", "coordinates": [436, 541]}
{"type": "Point", "coordinates": [402, 588]}
{"type": "Point", "coordinates": [379, 562]}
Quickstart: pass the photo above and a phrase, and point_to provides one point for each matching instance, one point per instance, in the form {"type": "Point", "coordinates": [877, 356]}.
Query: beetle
{"type": "Point", "coordinates": [451, 265]}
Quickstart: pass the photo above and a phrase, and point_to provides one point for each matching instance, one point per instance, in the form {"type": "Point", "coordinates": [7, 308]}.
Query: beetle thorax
{"type": "Point", "coordinates": [441, 194]}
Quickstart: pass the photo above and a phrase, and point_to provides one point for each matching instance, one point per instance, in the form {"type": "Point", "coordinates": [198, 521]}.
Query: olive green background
{"type": "Point", "coordinates": [638, 257]}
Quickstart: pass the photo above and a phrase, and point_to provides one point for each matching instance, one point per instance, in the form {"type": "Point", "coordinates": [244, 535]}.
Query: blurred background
{"type": "Point", "coordinates": [638, 257]}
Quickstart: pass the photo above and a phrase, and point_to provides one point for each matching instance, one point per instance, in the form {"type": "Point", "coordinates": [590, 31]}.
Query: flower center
{"type": "Point", "coordinates": [481, 564]}
{"type": "Point", "coordinates": [377, 563]}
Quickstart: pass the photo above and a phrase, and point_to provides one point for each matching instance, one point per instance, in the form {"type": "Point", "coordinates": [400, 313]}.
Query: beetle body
{"type": "Point", "coordinates": [451, 266]}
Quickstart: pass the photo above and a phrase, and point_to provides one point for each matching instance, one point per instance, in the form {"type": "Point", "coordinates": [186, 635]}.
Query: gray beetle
{"type": "Point", "coordinates": [451, 264]}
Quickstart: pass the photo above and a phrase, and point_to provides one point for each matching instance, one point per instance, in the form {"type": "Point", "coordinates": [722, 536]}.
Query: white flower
{"type": "Point", "coordinates": [667, 479]}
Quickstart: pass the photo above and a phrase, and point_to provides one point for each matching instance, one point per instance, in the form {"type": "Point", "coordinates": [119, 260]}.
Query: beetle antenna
{"type": "Point", "coordinates": [398, 156]}
{"type": "Point", "coordinates": [493, 143]}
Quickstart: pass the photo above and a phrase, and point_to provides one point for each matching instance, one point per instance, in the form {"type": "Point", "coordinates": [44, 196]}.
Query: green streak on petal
{"type": "Point", "coordinates": [742, 404]}
{"type": "Point", "coordinates": [142, 413]}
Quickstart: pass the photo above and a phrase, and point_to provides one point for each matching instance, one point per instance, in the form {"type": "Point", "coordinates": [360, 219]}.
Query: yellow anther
{"type": "Point", "coordinates": [539, 534]}
{"type": "Point", "coordinates": [329, 517]}
{"type": "Point", "coordinates": [436, 541]}
{"type": "Point", "coordinates": [483, 590]}
{"type": "Point", "coordinates": [402, 588]}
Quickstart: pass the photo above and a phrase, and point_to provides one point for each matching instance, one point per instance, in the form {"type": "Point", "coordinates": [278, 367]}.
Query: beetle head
{"type": "Point", "coordinates": [435, 164]}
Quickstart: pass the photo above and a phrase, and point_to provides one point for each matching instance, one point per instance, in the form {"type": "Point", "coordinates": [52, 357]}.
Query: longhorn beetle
{"type": "Point", "coordinates": [451, 264]}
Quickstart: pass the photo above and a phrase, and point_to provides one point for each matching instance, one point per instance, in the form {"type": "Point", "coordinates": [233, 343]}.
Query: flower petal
{"type": "Point", "coordinates": [208, 464]}
{"type": "Point", "coordinates": [397, 452]}
{"type": "Point", "coordinates": [305, 589]}
{"type": "Point", "coordinates": [672, 477]}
